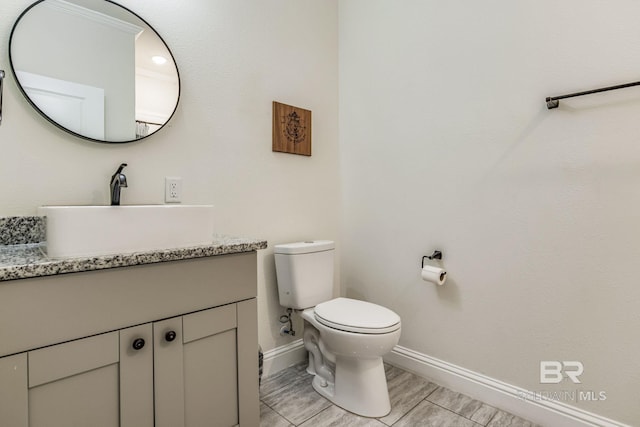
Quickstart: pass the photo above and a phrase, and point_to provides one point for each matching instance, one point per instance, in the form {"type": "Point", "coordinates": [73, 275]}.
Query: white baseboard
{"type": "Point", "coordinates": [282, 357]}
{"type": "Point", "coordinates": [496, 393]}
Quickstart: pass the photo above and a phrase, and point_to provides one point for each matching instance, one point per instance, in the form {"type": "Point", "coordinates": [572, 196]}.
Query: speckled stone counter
{"type": "Point", "coordinates": [20, 230]}
{"type": "Point", "coordinates": [21, 261]}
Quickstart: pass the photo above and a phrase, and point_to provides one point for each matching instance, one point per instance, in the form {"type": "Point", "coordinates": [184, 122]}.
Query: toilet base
{"type": "Point", "coordinates": [360, 387]}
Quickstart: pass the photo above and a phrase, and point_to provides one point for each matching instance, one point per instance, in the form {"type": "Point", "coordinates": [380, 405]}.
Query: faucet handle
{"type": "Point", "coordinates": [122, 166]}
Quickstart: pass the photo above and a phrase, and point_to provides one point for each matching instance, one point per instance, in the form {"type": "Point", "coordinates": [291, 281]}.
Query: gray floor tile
{"type": "Point", "coordinates": [280, 381]}
{"type": "Point", "coordinates": [426, 414]}
{"type": "Point", "coordinates": [301, 367]}
{"type": "Point", "coordinates": [484, 414]}
{"type": "Point", "coordinates": [270, 418]}
{"type": "Point", "coordinates": [297, 401]}
{"type": "Point", "coordinates": [391, 371]}
{"type": "Point", "coordinates": [505, 419]}
{"type": "Point", "coordinates": [288, 399]}
{"type": "Point", "coordinates": [406, 390]}
{"type": "Point", "coordinates": [334, 416]}
{"type": "Point", "coordinates": [463, 405]}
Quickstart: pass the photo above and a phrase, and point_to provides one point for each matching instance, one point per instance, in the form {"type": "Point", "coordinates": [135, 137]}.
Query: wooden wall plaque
{"type": "Point", "coordinates": [291, 129]}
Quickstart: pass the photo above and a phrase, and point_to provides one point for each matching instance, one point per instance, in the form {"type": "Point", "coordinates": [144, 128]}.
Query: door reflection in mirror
{"type": "Point", "coordinates": [86, 66]}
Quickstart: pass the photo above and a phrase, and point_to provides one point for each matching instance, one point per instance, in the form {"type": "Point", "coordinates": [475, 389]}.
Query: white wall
{"type": "Point", "coordinates": [234, 58]}
{"type": "Point", "coordinates": [446, 144]}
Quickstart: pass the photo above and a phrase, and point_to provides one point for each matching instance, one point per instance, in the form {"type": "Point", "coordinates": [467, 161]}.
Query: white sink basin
{"type": "Point", "coordinates": [78, 231]}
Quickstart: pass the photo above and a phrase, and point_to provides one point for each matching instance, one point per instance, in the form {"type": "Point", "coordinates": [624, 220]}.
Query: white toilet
{"type": "Point", "coordinates": [346, 338]}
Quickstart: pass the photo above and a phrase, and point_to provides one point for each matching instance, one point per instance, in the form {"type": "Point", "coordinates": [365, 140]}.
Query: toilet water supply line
{"type": "Point", "coordinates": [287, 328]}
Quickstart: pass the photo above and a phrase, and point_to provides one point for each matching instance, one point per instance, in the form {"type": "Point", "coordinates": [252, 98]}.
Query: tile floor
{"type": "Point", "coordinates": [288, 399]}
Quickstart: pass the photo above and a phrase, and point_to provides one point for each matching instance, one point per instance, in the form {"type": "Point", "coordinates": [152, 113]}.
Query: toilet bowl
{"type": "Point", "coordinates": [354, 351]}
{"type": "Point", "coordinates": [345, 338]}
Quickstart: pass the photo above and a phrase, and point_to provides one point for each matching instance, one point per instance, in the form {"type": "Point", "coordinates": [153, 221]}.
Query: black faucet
{"type": "Point", "coordinates": [118, 180]}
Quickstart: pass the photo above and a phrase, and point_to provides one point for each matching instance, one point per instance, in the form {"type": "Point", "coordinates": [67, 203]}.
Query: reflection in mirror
{"type": "Point", "coordinates": [94, 68]}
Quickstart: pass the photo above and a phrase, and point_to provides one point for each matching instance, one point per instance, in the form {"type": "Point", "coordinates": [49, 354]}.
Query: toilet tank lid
{"type": "Point", "coordinates": [305, 247]}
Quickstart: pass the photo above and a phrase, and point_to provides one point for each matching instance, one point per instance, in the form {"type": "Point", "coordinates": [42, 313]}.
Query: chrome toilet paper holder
{"type": "Point", "coordinates": [434, 255]}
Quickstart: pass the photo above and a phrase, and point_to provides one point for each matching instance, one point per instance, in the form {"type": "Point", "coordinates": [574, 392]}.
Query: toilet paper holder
{"type": "Point", "coordinates": [434, 255]}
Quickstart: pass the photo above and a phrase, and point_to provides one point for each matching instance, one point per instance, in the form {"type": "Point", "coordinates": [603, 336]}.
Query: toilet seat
{"type": "Point", "coordinates": [356, 316]}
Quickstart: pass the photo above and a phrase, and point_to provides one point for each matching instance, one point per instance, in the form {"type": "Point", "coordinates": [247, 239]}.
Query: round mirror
{"type": "Point", "coordinates": [94, 69]}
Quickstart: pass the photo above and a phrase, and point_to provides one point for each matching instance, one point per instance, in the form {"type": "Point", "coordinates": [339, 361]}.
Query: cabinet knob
{"type": "Point", "coordinates": [138, 343]}
{"type": "Point", "coordinates": [170, 336]}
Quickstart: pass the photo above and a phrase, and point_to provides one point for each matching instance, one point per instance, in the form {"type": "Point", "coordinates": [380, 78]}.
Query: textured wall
{"type": "Point", "coordinates": [446, 143]}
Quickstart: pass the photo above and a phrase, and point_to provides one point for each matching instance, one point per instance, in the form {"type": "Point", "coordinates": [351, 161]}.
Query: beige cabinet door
{"type": "Point", "coordinates": [14, 402]}
{"type": "Point", "coordinates": [136, 376]}
{"type": "Point", "coordinates": [248, 390]}
{"type": "Point", "coordinates": [75, 384]}
{"type": "Point", "coordinates": [101, 381]}
{"type": "Point", "coordinates": [211, 368]}
{"type": "Point", "coordinates": [167, 373]}
{"type": "Point", "coordinates": [196, 369]}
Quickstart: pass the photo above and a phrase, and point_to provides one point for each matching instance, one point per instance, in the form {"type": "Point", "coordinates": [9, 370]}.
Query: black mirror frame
{"type": "Point", "coordinates": [49, 119]}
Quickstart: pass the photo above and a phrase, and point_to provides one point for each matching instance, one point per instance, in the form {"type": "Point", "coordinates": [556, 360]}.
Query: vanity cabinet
{"type": "Point", "coordinates": [196, 368]}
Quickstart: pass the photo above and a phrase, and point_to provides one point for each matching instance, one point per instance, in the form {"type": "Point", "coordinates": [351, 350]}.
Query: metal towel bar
{"type": "Point", "coordinates": [554, 101]}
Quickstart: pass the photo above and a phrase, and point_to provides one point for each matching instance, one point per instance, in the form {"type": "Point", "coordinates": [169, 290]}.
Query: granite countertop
{"type": "Point", "coordinates": [21, 261]}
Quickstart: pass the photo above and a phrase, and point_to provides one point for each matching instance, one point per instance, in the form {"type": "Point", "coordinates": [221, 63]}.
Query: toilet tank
{"type": "Point", "coordinates": [304, 272]}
